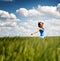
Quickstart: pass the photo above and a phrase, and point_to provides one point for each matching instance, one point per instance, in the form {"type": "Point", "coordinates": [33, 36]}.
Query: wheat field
{"type": "Point", "coordinates": [30, 48]}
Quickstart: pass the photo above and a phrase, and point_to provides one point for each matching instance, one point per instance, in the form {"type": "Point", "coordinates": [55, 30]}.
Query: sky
{"type": "Point", "coordinates": [21, 17]}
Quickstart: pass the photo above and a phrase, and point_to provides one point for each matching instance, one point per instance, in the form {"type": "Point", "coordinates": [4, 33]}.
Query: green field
{"type": "Point", "coordinates": [30, 49]}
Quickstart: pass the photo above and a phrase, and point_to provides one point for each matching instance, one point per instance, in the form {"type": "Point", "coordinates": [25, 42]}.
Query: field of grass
{"type": "Point", "coordinates": [30, 49]}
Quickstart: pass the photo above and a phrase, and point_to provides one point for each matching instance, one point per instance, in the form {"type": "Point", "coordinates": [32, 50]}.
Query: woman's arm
{"type": "Point", "coordinates": [36, 31]}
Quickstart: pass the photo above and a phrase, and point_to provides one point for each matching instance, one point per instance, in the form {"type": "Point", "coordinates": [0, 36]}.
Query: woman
{"type": "Point", "coordinates": [40, 29]}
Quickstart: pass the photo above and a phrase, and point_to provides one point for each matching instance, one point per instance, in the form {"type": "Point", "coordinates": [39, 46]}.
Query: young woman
{"type": "Point", "coordinates": [40, 29]}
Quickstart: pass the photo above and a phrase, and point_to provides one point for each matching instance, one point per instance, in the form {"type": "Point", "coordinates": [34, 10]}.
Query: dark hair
{"type": "Point", "coordinates": [40, 25]}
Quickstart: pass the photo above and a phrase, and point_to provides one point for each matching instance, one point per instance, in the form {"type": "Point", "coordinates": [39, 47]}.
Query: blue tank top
{"type": "Point", "coordinates": [41, 32]}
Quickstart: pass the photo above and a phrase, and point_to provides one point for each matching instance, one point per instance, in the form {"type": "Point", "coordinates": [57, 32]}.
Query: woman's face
{"type": "Point", "coordinates": [41, 24]}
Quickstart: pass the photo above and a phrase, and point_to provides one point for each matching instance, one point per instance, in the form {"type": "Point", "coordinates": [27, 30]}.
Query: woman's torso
{"type": "Point", "coordinates": [41, 32]}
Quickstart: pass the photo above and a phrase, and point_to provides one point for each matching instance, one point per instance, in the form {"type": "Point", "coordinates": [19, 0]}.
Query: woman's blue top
{"type": "Point", "coordinates": [41, 32]}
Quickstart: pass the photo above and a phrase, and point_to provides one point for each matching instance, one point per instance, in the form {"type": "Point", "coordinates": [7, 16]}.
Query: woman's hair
{"type": "Point", "coordinates": [40, 24]}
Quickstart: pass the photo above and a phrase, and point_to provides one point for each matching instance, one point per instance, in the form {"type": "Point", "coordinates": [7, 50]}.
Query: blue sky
{"type": "Point", "coordinates": [20, 17]}
{"type": "Point", "coordinates": [11, 6]}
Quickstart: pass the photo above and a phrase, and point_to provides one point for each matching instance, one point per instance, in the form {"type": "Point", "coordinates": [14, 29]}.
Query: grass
{"type": "Point", "coordinates": [30, 49]}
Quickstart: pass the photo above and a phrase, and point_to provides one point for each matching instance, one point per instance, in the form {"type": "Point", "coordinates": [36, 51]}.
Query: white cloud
{"type": "Point", "coordinates": [5, 14]}
{"type": "Point", "coordinates": [44, 11]}
{"type": "Point", "coordinates": [7, 24]}
{"type": "Point", "coordinates": [8, 31]}
{"type": "Point", "coordinates": [25, 12]}
{"type": "Point", "coordinates": [58, 7]}
{"type": "Point", "coordinates": [49, 11]}
{"type": "Point", "coordinates": [52, 27]}
{"type": "Point", "coordinates": [9, 20]}
{"type": "Point", "coordinates": [12, 16]}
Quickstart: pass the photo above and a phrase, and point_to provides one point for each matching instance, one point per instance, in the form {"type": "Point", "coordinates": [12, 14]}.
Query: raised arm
{"type": "Point", "coordinates": [36, 31]}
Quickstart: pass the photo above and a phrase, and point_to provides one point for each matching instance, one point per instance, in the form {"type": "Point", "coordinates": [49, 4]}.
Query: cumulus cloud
{"type": "Point", "coordinates": [8, 31]}
{"type": "Point", "coordinates": [49, 11]}
{"type": "Point", "coordinates": [58, 7]}
{"type": "Point", "coordinates": [44, 11]}
{"type": "Point", "coordinates": [25, 12]}
{"type": "Point", "coordinates": [5, 14]}
{"type": "Point", "coordinates": [9, 19]}
{"type": "Point", "coordinates": [8, 24]}
{"type": "Point", "coordinates": [52, 27]}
